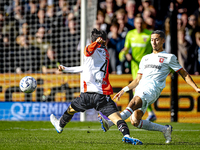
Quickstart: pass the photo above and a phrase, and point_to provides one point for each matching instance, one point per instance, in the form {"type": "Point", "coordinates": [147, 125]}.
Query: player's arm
{"type": "Point", "coordinates": [123, 53]}
{"type": "Point", "coordinates": [89, 50]}
{"type": "Point", "coordinates": [77, 69]}
{"type": "Point", "coordinates": [125, 49]}
{"type": "Point", "coordinates": [131, 86]}
{"type": "Point", "coordinates": [185, 75]}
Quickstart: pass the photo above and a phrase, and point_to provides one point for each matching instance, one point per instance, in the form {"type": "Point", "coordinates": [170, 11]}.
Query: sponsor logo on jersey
{"type": "Point", "coordinates": [161, 60]}
{"type": "Point", "coordinates": [152, 66]}
{"type": "Point", "coordinates": [162, 57]}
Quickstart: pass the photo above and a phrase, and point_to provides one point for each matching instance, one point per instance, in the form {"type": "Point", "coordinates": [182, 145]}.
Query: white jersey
{"type": "Point", "coordinates": [94, 72]}
{"type": "Point", "coordinates": [156, 67]}
{"type": "Point", "coordinates": [95, 75]}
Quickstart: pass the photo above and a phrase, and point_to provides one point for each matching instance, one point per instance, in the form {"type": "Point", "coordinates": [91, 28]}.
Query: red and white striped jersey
{"type": "Point", "coordinates": [95, 75]}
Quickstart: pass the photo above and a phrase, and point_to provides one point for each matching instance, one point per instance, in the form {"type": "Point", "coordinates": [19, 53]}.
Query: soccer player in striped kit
{"type": "Point", "coordinates": [149, 83]}
{"type": "Point", "coordinates": [95, 88]}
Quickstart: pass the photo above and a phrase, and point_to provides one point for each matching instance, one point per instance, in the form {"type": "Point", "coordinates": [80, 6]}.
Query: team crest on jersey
{"type": "Point", "coordinates": [161, 60]}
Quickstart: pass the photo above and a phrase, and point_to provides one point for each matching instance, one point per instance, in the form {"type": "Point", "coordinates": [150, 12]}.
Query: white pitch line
{"type": "Point", "coordinates": [77, 129]}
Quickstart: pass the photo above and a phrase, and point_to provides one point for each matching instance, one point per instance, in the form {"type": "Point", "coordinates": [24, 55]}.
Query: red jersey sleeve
{"type": "Point", "coordinates": [89, 50]}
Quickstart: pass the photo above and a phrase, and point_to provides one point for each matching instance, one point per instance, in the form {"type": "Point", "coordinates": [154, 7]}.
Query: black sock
{"type": "Point", "coordinates": [65, 119]}
{"type": "Point", "coordinates": [123, 128]}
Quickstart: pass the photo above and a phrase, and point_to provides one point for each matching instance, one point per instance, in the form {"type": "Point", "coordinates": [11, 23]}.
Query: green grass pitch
{"type": "Point", "coordinates": [36, 135]}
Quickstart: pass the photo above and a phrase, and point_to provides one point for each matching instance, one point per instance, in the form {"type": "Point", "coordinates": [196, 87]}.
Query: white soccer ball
{"type": "Point", "coordinates": [27, 84]}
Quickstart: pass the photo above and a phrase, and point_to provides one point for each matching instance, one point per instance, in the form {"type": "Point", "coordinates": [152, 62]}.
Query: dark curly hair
{"type": "Point", "coordinates": [98, 33]}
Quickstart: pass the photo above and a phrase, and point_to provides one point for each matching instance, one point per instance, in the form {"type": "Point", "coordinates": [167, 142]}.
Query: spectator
{"type": "Point", "coordinates": [97, 25]}
{"type": "Point", "coordinates": [184, 18]}
{"type": "Point", "coordinates": [40, 41]}
{"type": "Point", "coordinates": [50, 18]}
{"type": "Point", "coordinates": [192, 27]}
{"type": "Point", "coordinates": [70, 50]}
{"type": "Point", "coordinates": [115, 45]}
{"type": "Point", "coordinates": [41, 18]}
{"type": "Point", "coordinates": [25, 29]}
{"type": "Point", "coordinates": [50, 63]}
{"type": "Point", "coordinates": [167, 44]}
{"type": "Point", "coordinates": [120, 4]}
{"type": "Point", "coordinates": [147, 4]}
{"type": "Point", "coordinates": [149, 19]}
{"type": "Point", "coordinates": [101, 20]}
{"type": "Point", "coordinates": [31, 16]}
{"type": "Point", "coordinates": [28, 57]}
{"type": "Point", "coordinates": [123, 26]}
{"type": "Point", "coordinates": [63, 11]}
{"type": "Point", "coordinates": [77, 9]}
{"type": "Point", "coordinates": [184, 48]}
{"type": "Point", "coordinates": [109, 11]}
{"type": "Point", "coordinates": [197, 49]}
{"type": "Point", "coordinates": [2, 19]}
{"type": "Point", "coordinates": [180, 26]}
{"type": "Point", "coordinates": [7, 55]}
{"type": "Point", "coordinates": [43, 4]}
{"type": "Point", "coordinates": [197, 12]}
{"type": "Point", "coordinates": [130, 9]}
{"type": "Point", "coordinates": [150, 23]}
{"type": "Point", "coordinates": [181, 6]}
{"type": "Point", "coordinates": [162, 8]}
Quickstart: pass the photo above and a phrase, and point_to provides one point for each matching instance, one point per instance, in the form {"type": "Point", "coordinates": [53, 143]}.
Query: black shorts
{"type": "Point", "coordinates": [100, 102]}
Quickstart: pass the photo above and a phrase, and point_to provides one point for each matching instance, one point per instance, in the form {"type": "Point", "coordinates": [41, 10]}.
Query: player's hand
{"type": "Point", "coordinates": [58, 72]}
{"type": "Point", "coordinates": [129, 57]}
{"type": "Point", "coordinates": [61, 68]}
{"type": "Point", "coordinates": [100, 40]}
{"type": "Point", "coordinates": [118, 95]}
{"type": "Point", "coordinates": [198, 90]}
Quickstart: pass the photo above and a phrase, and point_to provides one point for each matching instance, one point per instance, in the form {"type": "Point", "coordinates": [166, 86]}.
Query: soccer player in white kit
{"type": "Point", "coordinates": [95, 88]}
{"type": "Point", "coordinates": [149, 83]}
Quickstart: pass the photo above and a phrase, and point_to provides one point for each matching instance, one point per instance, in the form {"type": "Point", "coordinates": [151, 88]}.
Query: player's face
{"type": "Point", "coordinates": [157, 42]}
{"type": "Point", "coordinates": [138, 24]}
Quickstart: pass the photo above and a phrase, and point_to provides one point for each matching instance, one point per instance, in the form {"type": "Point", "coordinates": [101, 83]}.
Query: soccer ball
{"type": "Point", "coordinates": [27, 84]}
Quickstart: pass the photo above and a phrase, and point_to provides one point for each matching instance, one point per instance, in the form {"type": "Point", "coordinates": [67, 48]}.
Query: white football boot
{"type": "Point", "coordinates": [167, 133]}
{"type": "Point", "coordinates": [55, 123]}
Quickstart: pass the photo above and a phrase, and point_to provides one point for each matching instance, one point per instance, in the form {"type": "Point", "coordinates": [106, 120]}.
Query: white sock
{"type": "Point", "coordinates": [124, 114]}
{"type": "Point", "coordinates": [150, 113]}
{"type": "Point", "coordinates": [148, 125]}
{"type": "Point", "coordinates": [110, 123]}
{"type": "Point", "coordinates": [127, 135]}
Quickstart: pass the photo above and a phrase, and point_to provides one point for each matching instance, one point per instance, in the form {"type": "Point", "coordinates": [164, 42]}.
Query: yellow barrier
{"type": "Point", "coordinates": [188, 101]}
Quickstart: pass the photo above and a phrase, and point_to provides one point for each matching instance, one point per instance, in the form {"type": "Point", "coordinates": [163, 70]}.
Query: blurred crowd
{"type": "Point", "coordinates": [38, 35]}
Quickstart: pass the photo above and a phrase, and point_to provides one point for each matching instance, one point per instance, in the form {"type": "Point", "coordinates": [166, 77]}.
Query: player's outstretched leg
{"type": "Point", "coordinates": [55, 123]}
{"type": "Point", "coordinates": [167, 133]}
{"type": "Point", "coordinates": [130, 140]}
{"type": "Point", "coordinates": [104, 123]}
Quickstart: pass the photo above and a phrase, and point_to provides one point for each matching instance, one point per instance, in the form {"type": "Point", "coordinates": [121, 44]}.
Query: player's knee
{"type": "Point", "coordinates": [136, 117]}
{"type": "Point", "coordinates": [135, 122]}
{"type": "Point", "coordinates": [135, 103]}
{"type": "Point", "coordinates": [70, 110]}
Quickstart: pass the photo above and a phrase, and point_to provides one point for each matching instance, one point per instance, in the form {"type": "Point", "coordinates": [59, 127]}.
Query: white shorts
{"type": "Point", "coordinates": [149, 93]}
